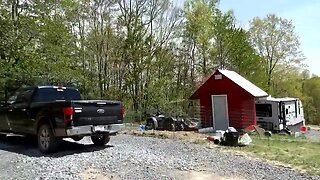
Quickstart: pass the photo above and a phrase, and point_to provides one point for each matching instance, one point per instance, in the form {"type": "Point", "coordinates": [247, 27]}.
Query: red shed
{"type": "Point", "coordinates": [228, 99]}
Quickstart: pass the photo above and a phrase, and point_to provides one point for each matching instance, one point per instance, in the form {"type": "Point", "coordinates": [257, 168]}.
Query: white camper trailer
{"type": "Point", "coordinates": [275, 114]}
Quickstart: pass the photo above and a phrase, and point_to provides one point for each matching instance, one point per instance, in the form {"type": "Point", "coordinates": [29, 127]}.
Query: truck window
{"type": "Point", "coordinates": [264, 110]}
{"type": "Point", "coordinates": [13, 98]}
{"type": "Point", "coordinates": [53, 94]}
{"type": "Point", "coordinates": [22, 96]}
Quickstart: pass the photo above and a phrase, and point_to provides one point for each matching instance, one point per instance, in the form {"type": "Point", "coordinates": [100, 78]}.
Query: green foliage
{"type": "Point", "coordinates": [294, 151]}
{"type": "Point", "coordinates": [311, 88]}
{"type": "Point", "coordinates": [276, 42]}
{"type": "Point", "coordinates": [148, 54]}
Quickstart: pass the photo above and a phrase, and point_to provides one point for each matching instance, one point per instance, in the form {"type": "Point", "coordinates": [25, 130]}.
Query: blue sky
{"type": "Point", "coordinates": [305, 15]}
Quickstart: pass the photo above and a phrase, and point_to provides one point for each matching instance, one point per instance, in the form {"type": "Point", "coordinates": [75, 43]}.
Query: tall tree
{"type": "Point", "coordinates": [199, 16]}
{"type": "Point", "coordinates": [311, 88]}
{"type": "Point", "coordinates": [147, 53]}
{"type": "Point", "coordinates": [275, 40]}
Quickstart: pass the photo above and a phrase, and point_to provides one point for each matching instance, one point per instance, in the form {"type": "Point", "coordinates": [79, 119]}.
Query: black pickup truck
{"type": "Point", "coordinates": [54, 112]}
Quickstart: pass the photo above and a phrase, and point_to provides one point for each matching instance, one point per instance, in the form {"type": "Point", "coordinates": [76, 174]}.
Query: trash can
{"type": "Point", "coordinates": [231, 138]}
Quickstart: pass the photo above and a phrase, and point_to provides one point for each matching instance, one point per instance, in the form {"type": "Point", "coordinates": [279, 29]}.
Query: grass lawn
{"type": "Point", "coordinates": [299, 153]}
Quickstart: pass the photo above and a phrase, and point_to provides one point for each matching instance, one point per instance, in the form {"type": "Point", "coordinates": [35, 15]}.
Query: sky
{"type": "Point", "coordinates": [305, 15]}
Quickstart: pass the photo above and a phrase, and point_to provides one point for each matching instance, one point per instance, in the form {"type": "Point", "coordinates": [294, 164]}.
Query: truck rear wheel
{"type": "Point", "coordinates": [101, 139]}
{"type": "Point", "coordinates": [47, 142]}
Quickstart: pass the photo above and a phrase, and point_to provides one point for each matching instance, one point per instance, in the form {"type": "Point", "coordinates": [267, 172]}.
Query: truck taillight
{"type": "Point", "coordinates": [123, 111]}
{"type": "Point", "coordinates": [68, 113]}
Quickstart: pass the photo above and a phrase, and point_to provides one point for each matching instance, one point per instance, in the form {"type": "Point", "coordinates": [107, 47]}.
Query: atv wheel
{"type": "Point", "coordinates": [173, 127]}
{"type": "Point", "coordinates": [149, 126]}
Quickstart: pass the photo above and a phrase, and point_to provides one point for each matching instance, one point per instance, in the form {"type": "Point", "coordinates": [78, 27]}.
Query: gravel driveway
{"type": "Point", "coordinates": [130, 157]}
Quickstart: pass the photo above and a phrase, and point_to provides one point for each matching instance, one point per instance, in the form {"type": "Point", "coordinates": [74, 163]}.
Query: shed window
{"type": "Point", "coordinates": [264, 110]}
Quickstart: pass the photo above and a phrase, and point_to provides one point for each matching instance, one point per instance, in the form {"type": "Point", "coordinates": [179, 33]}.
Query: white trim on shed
{"type": "Point", "coordinates": [244, 83]}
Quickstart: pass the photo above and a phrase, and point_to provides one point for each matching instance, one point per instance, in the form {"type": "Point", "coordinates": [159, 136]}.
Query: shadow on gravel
{"type": "Point", "coordinates": [28, 147]}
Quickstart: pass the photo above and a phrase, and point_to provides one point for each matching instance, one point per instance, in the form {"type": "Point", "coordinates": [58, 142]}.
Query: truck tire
{"type": "Point", "coordinates": [47, 142]}
{"type": "Point", "coordinates": [150, 125]}
{"type": "Point", "coordinates": [101, 139]}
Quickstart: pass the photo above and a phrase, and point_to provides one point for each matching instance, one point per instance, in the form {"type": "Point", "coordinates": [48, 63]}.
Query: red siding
{"type": "Point", "coordinates": [241, 104]}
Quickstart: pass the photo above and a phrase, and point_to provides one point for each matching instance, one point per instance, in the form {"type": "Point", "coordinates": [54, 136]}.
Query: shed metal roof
{"type": "Point", "coordinates": [244, 83]}
{"type": "Point", "coordinates": [240, 81]}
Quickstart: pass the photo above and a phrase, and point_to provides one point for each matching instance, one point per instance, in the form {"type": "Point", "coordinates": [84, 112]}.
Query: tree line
{"type": "Point", "coordinates": [147, 53]}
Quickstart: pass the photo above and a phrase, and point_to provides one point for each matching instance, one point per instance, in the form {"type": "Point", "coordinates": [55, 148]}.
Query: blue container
{"type": "Point", "coordinates": [142, 127]}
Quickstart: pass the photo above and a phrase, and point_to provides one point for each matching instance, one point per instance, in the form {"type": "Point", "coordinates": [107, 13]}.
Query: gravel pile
{"type": "Point", "coordinates": [130, 157]}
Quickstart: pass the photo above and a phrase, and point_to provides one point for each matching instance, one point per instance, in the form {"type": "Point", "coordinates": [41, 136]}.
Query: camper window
{"type": "Point", "coordinates": [264, 110]}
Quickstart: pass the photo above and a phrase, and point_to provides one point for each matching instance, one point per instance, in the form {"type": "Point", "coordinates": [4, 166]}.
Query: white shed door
{"type": "Point", "coordinates": [220, 112]}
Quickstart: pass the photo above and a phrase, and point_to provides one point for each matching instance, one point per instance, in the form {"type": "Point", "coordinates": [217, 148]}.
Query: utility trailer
{"type": "Point", "coordinates": [276, 114]}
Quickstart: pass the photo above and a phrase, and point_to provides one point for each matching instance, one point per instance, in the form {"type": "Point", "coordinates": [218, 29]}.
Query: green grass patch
{"type": "Point", "coordinates": [298, 152]}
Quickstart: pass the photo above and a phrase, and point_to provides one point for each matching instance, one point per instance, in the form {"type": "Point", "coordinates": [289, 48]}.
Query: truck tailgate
{"type": "Point", "coordinates": [97, 112]}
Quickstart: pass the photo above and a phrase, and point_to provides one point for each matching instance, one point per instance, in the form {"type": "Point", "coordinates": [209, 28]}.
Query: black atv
{"type": "Point", "coordinates": [160, 122]}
